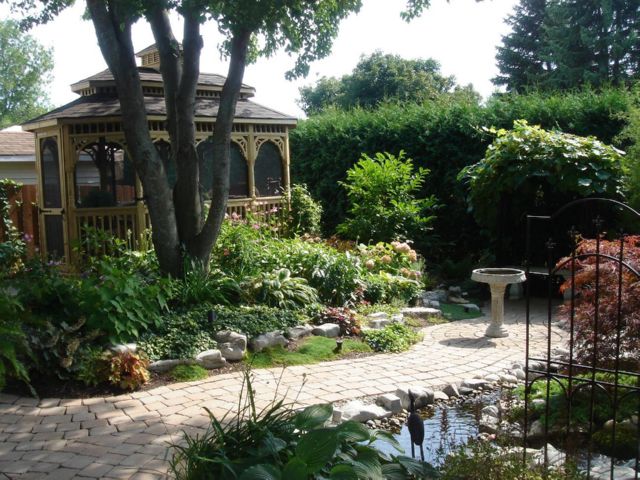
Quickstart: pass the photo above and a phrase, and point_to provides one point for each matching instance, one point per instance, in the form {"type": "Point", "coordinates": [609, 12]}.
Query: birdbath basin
{"type": "Point", "coordinates": [498, 279]}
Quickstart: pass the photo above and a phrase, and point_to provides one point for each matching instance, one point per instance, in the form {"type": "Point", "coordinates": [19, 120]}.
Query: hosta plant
{"type": "Point", "coordinates": [280, 289]}
{"type": "Point", "coordinates": [279, 443]}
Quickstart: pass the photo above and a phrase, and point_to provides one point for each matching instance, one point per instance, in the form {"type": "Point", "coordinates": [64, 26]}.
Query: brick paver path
{"type": "Point", "coordinates": [127, 436]}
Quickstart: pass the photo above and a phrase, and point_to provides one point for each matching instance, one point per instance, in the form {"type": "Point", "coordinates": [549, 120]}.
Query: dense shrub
{"type": "Point", "coordinates": [382, 200]}
{"type": "Point", "coordinates": [12, 246]}
{"type": "Point", "coordinates": [443, 136]}
{"type": "Point", "coordinates": [529, 170]}
{"type": "Point", "coordinates": [303, 214]}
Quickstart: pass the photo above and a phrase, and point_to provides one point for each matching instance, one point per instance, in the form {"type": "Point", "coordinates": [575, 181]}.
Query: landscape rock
{"type": "Point", "coordinates": [492, 377]}
{"type": "Point", "coordinates": [423, 313]}
{"type": "Point", "coordinates": [475, 383]}
{"type": "Point", "coordinates": [358, 411]}
{"type": "Point", "coordinates": [451, 390]}
{"type": "Point", "coordinates": [125, 348]}
{"type": "Point", "coordinates": [422, 396]}
{"type": "Point", "coordinates": [267, 340]}
{"type": "Point", "coordinates": [433, 304]}
{"type": "Point", "coordinates": [465, 390]}
{"type": "Point", "coordinates": [330, 330]}
{"type": "Point", "coordinates": [439, 395]}
{"type": "Point", "coordinates": [491, 411]}
{"type": "Point", "coordinates": [508, 378]}
{"type": "Point", "coordinates": [519, 373]}
{"type": "Point", "coordinates": [232, 345]}
{"type": "Point", "coordinates": [390, 401]}
{"type": "Point", "coordinates": [397, 318]}
{"type": "Point", "coordinates": [438, 295]}
{"type": "Point", "coordinates": [455, 290]}
{"type": "Point", "coordinates": [488, 424]}
{"type": "Point", "coordinates": [378, 323]}
{"type": "Point", "coordinates": [536, 430]}
{"type": "Point", "coordinates": [211, 359]}
{"type": "Point", "coordinates": [458, 300]}
{"type": "Point", "coordinates": [470, 307]}
{"type": "Point", "coordinates": [377, 316]}
{"type": "Point", "coordinates": [296, 333]}
{"type": "Point", "coordinates": [337, 415]}
{"type": "Point", "coordinates": [162, 366]}
{"type": "Point", "coordinates": [555, 458]}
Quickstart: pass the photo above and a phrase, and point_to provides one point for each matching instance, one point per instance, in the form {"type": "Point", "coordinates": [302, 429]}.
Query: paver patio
{"type": "Point", "coordinates": [127, 436]}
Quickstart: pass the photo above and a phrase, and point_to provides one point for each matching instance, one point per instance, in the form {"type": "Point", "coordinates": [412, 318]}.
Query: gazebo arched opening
{"type": "Point", "coordinates": [238, 170]}
{"type": "Point", "coordinates": [269, 171]}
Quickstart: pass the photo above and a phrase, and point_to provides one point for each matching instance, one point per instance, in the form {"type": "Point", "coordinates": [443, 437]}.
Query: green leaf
{"type": "Point", "coordinates": [353, 432]}
{"type": "Point", "coordinates": [261, 472]}
{"type": "Point", "coordinates": [317, 447]}
{"type": "Point", "coordinates": [295, 469]}
{"type": "Point", "coordinates": [393, 471]}
{"type": "Point", "coordinates": [343, 472]}
{"type": "Point", "coordinates": [417, 468]}
{"type": "Point", "coordinates": [585, 182]}
{"type": "Point", "coordinates": [313, 416]}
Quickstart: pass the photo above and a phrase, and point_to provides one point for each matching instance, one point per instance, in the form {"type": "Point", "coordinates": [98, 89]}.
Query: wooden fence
{"type": "Point", "coordinates": [24, 214]}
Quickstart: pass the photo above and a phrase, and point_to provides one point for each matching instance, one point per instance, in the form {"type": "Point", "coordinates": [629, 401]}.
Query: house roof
{"type": "Point", "coordinates": [17, 143]}
{"type": "Point", "coordinates": [95, 106]}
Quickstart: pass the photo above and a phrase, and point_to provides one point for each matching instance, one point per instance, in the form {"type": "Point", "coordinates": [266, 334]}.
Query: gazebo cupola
{"type": "Point", "coordinates": [85, 175]}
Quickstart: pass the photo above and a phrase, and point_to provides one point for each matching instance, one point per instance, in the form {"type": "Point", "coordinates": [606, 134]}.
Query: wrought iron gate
{"type": "Point", "coordinates": [583, 398]}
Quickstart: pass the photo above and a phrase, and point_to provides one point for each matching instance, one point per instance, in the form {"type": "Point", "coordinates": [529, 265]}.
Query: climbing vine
{"type": "Point", "coordinates": [12, 246]}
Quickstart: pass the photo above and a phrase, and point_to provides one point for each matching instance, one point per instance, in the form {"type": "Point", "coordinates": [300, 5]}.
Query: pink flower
{"type": "Point", "coordinates": [235, 216]}
{"type": "Point", "coordinates": [256, 226]}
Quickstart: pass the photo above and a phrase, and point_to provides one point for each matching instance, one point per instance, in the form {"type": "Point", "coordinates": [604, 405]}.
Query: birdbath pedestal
{"type": "Point", "coordinates": [498, 279]}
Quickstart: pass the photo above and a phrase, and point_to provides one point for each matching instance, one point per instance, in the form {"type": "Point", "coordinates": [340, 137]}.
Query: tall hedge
{"type": "Point", "coordinates": [443, 136]}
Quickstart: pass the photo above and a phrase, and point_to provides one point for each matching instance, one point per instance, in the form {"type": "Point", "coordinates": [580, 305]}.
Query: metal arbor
{"type": "Point", "coordinates": [584, 397]}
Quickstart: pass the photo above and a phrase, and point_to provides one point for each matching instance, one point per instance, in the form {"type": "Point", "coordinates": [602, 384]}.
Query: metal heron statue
{"type": "Point", "coordinates": [416, 427]}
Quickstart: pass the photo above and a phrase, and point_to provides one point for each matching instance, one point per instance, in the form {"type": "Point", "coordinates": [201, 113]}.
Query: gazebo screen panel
{"type": "Point", "coordinates": [50, 163]}
{"type": "Point", "coordinates": [268, 171]}
{"type": "Point", "coordinates": [104, 176]}
{"type": "Point", "coordinates": [238, 171]}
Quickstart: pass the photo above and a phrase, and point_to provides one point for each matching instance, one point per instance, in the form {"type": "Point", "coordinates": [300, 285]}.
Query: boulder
{"type": "Point", "coordinates": [232, 345]}
{"type": "Point", "coordinates": [451, 390]}
{"type": "Point", "coordinates": [162, 366]}
{"type": "Point", "coordinates": [330, 330]}
{"type": "Point", "coordinates": [296, 333]}
{"type": "Point", "coordinates": [519, 373]}
{"type": "Point", "coordinates": [358, 411]}
{"type": "Point", "coordinates": [211, 359]}
{"type": "Point", "coordinates": [433, 304]}
{"type": "Point", "coordinates": [397, 318]}
{"type": "Point", "coordinates": [489, 424]}
{"type": "Point", "coordinates": [491, 411]}
{"type": "Point", "coordinates": [423, 313]}
{"type": "Point", "coordinates": [455, 290]}
{"type": "Point", "coordinates": [492, 377]}
{"type": "Point", "coordinates": [378, 323]}
{"type": "Point", "coordinates": [438, 395]}
{"type": "Point", "coordinates": [267, 340]}
{"type": "Point", "coordinates": [475, 383]}
{"type": "Point", "coordinates": [422, 396]}
{"type": "Point", "coordinates": [465, 390]}
{"type": "Point", "coordinates": [458, 300]}
{"type": "Point", "coordinates": [470, 307]}
{"type": "Point", "coordinates": [125, 348]}
{"type": "Point", "coordinates": [390, 401]}
{"type": "Point", "coordinates": [438, 295]}
{"type": "Point", "coordinates": [377, 316]}
{"type": "Point", "coordinates": [508, 378]}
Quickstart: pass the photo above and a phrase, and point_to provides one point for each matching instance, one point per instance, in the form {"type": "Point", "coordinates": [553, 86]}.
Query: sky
{"type": "Point", "coordinates": [461, 34]}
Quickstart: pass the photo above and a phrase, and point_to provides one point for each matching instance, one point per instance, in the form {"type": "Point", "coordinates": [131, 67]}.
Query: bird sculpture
{"type": "Point", "coordinates": [415, 426]}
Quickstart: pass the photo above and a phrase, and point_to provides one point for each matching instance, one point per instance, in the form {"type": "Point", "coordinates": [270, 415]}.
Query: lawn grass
{"type": "Point", "coordinates": [311, 350]}
{"type": "Point", "coordinates": [453, 311]}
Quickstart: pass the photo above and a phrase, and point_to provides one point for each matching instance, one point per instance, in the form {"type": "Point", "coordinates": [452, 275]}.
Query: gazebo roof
{"type": "Point", "coordinates": [151, 76]}
{"type": "Point", "coordinates": [100, 106]}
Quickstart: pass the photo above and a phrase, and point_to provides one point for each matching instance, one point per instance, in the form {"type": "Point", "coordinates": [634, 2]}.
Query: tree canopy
{"type": "Point", "coordinates": [563, 44]}
{"type": "Point", "coordinates": [25, 73]}
{"type": "Point", "coordinates": [377, 78]}
{"type": "Point", "coordinates": [304, 28]}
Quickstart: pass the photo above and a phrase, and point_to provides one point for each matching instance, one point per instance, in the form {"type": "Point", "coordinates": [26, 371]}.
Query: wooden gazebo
{"type": "Point", "coordinates": [85, 176]}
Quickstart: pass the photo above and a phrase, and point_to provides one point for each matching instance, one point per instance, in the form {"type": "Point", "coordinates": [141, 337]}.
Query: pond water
{"type": "Point", "coordinates": [446, 427]}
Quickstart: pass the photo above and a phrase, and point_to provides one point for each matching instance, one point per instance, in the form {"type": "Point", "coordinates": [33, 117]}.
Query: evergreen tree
{"type": "Point", "coordinates": [562, 44]}
{"type": "Point", "coordinates": [521, 57]}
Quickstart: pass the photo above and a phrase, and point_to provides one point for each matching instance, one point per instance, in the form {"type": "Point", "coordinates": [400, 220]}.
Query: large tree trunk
{"type": "Point", "coordinates": [201, 246]}
{"type": "Point", "coordinates": [114, 37]}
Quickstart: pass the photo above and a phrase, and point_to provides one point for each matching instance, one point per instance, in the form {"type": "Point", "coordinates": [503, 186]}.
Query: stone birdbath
{"type": "Point", "coordinates": [498, 279]}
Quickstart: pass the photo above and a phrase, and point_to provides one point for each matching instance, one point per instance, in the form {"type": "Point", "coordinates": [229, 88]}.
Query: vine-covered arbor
{"type": "Point", "coordinates": [86, 178]}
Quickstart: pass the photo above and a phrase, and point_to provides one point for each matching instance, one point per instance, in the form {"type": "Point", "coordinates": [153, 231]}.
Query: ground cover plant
{"type": "Point", "coordinates": [310, 350]}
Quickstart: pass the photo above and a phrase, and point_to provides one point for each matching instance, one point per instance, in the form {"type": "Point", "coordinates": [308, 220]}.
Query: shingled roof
{"type": "Point", "coordinates": [17, 143]}
{"type": "Point", "coordinates": [95, 106]}
{"type": "Point", "coordinates": [152, 75]}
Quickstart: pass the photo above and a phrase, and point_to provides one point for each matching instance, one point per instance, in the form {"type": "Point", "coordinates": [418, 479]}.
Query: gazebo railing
{"type": "Point", "coordinates": [123, 222]}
